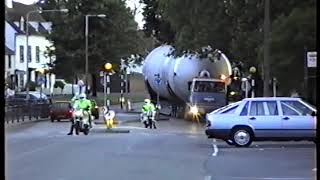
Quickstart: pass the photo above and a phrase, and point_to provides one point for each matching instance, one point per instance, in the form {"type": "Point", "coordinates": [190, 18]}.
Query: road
{"type": "Point", "coordinates": [176, 150]}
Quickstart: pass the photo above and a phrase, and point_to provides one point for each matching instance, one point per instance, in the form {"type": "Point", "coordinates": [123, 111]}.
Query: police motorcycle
{"type": "Point", "coordinates": [147, 119]}
{"type": "Point", "coordinates": [81, 121]}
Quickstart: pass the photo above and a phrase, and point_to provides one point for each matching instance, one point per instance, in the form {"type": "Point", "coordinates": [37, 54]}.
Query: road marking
{"type": "Point", "coordinates": [268, 178]}
{"type": "Point", "coordinates": [215, 148]}
{"type": "Point", "coordinates": [207, 178]}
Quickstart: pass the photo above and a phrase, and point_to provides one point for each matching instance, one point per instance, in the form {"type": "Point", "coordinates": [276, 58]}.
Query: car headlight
{"type": "Point", "coordinates": [194, 110]}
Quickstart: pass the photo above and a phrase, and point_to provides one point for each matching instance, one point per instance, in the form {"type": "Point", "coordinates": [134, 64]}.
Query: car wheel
{"type": "Point", "coordinates": [242, 137]}
{"type": "Point", "coordinates": [59, 120]}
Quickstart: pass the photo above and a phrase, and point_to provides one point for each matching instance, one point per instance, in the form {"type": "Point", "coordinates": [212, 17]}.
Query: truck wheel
{"type": "Point", "coordinates": [242, 137]}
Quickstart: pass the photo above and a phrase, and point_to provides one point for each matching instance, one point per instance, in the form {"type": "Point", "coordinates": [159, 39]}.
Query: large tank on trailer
{"type": "Point", "coordinates": [177, 73]}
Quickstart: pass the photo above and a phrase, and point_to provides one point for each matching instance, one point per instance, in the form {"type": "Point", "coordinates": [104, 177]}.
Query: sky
{"type": "Point", "coordinates": [130, 3]}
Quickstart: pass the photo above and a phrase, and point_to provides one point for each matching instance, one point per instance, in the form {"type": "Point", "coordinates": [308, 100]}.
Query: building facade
{"type": "Point", "coordinates": [18, 65]}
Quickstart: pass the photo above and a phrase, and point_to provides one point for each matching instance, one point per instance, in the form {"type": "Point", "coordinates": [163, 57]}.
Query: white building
{"type": "Point", "coordinates": [16, 26]}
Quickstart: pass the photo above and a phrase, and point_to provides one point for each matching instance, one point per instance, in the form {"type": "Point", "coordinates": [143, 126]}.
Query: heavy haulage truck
{"type": "Point", "coordinates": [196, 85]}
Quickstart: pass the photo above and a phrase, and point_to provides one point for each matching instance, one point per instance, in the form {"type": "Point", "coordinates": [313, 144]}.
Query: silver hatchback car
{"type": "Point", "coordinates": [265, 118]}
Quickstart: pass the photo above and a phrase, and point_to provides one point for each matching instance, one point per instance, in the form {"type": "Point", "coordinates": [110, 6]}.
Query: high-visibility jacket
{"type": "Point", "coordinates": [148, 107]}
{"type": "Point", "coordinates": [84, 104]}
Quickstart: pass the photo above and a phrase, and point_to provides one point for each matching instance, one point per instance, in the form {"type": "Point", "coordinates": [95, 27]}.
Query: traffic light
{"type": "Point", "coordinates": [108, 68]}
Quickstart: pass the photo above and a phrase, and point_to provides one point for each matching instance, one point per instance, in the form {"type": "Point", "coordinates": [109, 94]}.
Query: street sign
{"type": "Point", "coordinates": [311, 59]}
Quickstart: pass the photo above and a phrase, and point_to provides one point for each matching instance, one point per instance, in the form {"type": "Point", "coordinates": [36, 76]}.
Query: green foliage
{"type": "Point", "coordinates": [289, 37]}
{"type": "Point", "coordinates": [109, 38]}
{"type": "Point", "coordinates": [59, 84]}
{"type": "Point", "coordinates": [155, 24]}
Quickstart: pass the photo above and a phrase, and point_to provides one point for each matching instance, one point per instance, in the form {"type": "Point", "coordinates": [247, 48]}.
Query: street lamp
{"type": "Point", "coordinates": [86, 35]}
{"type": "Point", "coordinates": [27, 39]}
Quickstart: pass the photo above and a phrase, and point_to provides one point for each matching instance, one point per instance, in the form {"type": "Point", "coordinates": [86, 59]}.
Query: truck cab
{"type": "Point", "coordinates": [206, 95]}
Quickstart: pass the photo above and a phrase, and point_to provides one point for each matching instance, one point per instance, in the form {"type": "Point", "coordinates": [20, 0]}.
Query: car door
{"type": "Point", "coordinates": [297, 119]}
{"type": "Point", "coordinates": [264, 123]}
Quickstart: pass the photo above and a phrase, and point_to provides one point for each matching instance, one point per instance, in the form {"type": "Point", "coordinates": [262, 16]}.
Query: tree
{"type": "Point", "coordinates": [290, 35]}
{"type": "Point", "coordinates": [156, 25]}
{"type": "Point", "coordinates": [109, 38]}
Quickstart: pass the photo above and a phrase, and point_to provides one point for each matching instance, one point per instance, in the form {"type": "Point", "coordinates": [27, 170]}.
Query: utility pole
{"type": "Point", "coordinates": [266, 58]}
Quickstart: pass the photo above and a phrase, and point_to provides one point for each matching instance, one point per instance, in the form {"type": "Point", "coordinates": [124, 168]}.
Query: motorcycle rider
{"type": "Point", "coordinates": [148, 109]}
{"type": "Point", "coordinates": [81, 103]}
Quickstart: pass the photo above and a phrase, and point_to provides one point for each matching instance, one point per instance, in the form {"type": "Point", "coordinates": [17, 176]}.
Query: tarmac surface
{"type": "Point", "coordinates": [176, 150]}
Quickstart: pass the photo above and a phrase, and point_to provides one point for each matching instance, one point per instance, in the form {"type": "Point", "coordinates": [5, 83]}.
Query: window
{"type": "Point", "coordinates": [288, 111]}
{"type": "Point", "coordinates": [29, 54]}
{"type": "Point", "coordinates": [37, 54]}
{"type": "Point", "coordinates": [257, 108]}
{"type": "Point", "coordinates": [209, 86]}
{"type": "Point", "coordinates": [272, 107]}
{"type": "Point", "coordinates": [244, 111]}
{"type": "Point", "coordinates": [9, 61]}
{"type": "Point", "coordinates": [230, 111]}
{"type": "Point", "coordinates": [297, 107]}
{"type": "Point", "coordinates": [21, 54]}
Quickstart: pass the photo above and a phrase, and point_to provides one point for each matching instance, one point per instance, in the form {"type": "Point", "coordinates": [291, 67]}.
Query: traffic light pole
{"type": "Point", "coordinates": [104, 89]}
{"type": "Point", "coordinates": [108, 90]}
{"type": "Point", "coordinates": [121, 89]}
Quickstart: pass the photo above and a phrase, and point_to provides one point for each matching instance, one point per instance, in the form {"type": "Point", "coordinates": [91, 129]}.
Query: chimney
{"type": "Point", "coordinates": [22, 23]}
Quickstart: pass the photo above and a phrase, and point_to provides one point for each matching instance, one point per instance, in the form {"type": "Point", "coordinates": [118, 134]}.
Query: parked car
{"type": "Point", "coordinates": [60, 110]}
{"type": "Point", "coordinates": [267, 118]}
{"type": "Point", "coordinates": [94, 109]}
{"type": "Point", "coordinates": [20, 98]}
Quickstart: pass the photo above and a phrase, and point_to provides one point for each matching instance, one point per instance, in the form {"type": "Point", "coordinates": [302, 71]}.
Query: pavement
{"type": "Point", "coordinates": [177, 149]}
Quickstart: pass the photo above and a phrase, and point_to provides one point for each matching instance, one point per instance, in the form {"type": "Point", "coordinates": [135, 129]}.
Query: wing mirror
{"type": "Point", "coordinates": [313, 113]}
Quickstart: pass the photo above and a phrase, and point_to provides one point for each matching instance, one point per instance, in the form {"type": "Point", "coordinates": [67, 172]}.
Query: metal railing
{"type": "Point", "coordinates": [24, 112]}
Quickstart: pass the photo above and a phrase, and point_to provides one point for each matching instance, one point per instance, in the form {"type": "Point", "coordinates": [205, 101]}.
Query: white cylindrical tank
{"type": "Point", "coordinates": [156, 63]}
{"type": "Point", "coordinates": [177, 73]}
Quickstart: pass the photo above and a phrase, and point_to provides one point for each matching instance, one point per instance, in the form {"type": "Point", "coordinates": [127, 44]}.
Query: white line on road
{"type": "Point", "coordinates": [215, 148]}
{"type": "Point", "coordinates": [207, 178]}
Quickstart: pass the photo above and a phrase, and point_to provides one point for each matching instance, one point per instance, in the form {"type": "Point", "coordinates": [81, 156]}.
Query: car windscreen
{"type": "Point", "coordinates": [209, 86]}
{"type": "Point", "coordinates": [61, 106]}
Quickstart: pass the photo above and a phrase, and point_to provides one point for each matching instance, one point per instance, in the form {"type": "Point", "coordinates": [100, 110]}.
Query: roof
{"type": "Point", "coordinates": [9, 51]}
{"type": "Point", "coordinates": [271, 98]}
{"type": "Point", "coordinates": [20, 9]}
{"type": "Point", "coordinates": [15, 27]}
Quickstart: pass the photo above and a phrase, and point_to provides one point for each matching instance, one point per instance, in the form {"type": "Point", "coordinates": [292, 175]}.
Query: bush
{"type": "Point", "coordinates": [59, 84]}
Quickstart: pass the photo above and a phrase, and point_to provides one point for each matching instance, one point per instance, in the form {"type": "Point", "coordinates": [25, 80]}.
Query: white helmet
{"type": "Point", "coordinates": [82, 96]}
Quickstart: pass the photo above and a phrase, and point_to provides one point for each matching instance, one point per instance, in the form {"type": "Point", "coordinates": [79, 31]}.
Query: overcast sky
{"type": "Point", "coordinates": [130, 3]}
